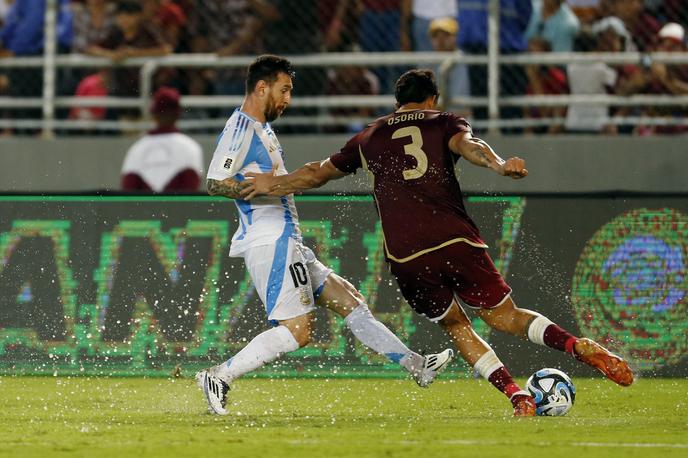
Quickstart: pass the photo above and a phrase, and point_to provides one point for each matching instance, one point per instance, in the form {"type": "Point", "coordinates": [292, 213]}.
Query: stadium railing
{"type": "Point", "coordinates": [148, 66]}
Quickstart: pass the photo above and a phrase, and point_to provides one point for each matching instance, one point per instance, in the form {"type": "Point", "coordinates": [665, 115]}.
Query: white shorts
{"type": "Point", "coordinates": [287, 276]}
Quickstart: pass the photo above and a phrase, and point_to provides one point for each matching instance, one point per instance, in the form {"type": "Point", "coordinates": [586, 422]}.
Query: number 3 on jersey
{"type": "Point", "coordinates": [413, 149]}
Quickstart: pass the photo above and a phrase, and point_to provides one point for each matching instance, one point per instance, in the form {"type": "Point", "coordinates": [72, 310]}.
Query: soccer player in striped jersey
{"type": "Point", "coordinates": [432, 245]}
{"type": "Point", "coordinates": [289, 279]}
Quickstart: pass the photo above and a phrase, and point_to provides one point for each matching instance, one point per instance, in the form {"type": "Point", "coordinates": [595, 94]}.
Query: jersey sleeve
{"type": "Point", "coordinates": [348, 159]}
{"type": "Point", "coordinates": [230, 152]}
{"type": "Point", "coordinates": [455, 124]}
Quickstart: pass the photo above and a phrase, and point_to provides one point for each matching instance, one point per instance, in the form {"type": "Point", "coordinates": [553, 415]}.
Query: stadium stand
{"type": "Point", "coordinates": [60, 89]}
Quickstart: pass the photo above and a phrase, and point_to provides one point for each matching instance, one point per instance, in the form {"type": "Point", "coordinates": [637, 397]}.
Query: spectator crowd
{"type": "Point", "coordinates": [119, 29]}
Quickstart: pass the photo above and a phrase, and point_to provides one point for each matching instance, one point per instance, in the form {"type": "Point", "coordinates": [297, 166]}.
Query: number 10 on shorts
{"type": "Point", "coordinates": [298, 274]}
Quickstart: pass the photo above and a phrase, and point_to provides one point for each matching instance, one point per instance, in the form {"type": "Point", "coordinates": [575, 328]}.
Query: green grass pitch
{"type": "Point", "coordinates": [127, 417]}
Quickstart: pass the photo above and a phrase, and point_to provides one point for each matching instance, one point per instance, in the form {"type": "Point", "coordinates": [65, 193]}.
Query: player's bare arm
{"type": "Point", "coordinates": [311, 175]}
{"type": "Point", "coordinates": [229, 187]}
{"type": "Point", "coordinates": [478, 152]}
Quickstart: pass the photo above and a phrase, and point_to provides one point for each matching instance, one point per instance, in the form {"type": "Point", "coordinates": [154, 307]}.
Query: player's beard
{"type": "Point", "coordinates": [272, 111]}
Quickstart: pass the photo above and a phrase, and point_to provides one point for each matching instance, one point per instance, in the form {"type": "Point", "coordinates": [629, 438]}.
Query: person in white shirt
{"type": "Point", "coordinates": [164, 160]}
{"type": "Point", "coordinates": [286, 274]}
{"type": "Point", "coordinates": [598, 78]}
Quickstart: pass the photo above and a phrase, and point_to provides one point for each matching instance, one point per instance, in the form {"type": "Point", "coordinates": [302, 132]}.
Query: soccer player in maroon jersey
{"type": "Point", "coordinates": [433, 247]}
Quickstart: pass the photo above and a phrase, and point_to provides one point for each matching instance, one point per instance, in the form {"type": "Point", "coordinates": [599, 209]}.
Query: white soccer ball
{"type": "Point", "coordinates": [553, 392]}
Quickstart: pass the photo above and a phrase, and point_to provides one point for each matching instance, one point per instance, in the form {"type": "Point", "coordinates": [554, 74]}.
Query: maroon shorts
{"type": "Point", "coordinates": [430, 282]}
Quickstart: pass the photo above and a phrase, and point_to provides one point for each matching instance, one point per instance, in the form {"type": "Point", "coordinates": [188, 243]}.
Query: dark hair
{"type": "Point", "coordinates": [415, 86]}
{"type": "Point", "coordinates": [267, 68]}
{"type": "Point", "coordinates": [585, 41]}
{"type": "Point", "coordinates": [128, 7]}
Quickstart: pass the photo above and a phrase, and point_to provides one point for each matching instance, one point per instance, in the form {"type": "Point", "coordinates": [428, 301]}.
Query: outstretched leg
{"type": "Point", "coordinates": [508, 318]}
{"type": "Point", "coordinates": [267, 346]}
{"type": "Point", "coordinates": [341, 297]}
{"type": "Point", "coordinates": [476, 352]}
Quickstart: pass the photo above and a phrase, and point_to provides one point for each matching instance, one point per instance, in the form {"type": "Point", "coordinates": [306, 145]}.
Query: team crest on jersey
{"type": "Point", "coordinates": [228, 163]}
{"type": "Point", "coordinates": [305, 298]}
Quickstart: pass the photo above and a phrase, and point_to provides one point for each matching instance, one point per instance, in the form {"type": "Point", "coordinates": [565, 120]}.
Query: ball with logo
{"type": "Point", "coordinates": [553, 392]}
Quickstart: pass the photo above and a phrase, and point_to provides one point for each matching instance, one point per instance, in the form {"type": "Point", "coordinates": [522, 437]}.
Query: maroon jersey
{"type": "Point", "coordinates": [417, 194]}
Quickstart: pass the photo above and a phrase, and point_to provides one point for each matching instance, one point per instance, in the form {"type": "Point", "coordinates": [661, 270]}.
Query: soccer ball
{"type": "Point", "coordinates": [553, 391]}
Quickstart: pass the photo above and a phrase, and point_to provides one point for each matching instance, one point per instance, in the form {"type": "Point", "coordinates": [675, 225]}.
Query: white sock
{"type": "Point", "coordinates": [264, 347]}
{"type": "Point", "coordinates": [536, 330]}
{"type": "Point", "coordinates": [487, 364]}
{"type": "Point", "coordinates": [380, 339]}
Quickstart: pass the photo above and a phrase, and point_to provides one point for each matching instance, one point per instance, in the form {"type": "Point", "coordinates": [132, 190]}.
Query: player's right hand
{"type": "Point", "coordinates": [515, 167]}
{"type": "Point", "coordinates": [259, 184]}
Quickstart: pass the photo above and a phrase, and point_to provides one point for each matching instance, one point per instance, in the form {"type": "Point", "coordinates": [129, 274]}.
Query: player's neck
{"type": "Point", "coordinates": [412, 107]}
{"type": "Point", "coordinates": [252, 108]}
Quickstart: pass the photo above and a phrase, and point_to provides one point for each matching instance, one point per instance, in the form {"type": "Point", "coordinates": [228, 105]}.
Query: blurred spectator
{"type": "Point", "coordinates": [662, 79]}
{"type": "Point", "coordinates": [421, 13]}
{"type": "Point", "coordinates": [164, 160]}
{"type": "Point", "coordinates": [22, 35]}
{"type": "Point", "coordinates": [380, 29]}
{"type": "Point", "coordinates": [586, 10]}
{"type": "Point", "coordinates": [4, 10]}
{"type": "Point", "coordinates": [553, 21]}
{"type": "Point", "coordinates": [608, 35]}
{"type": "Point", "coordinates": [131, 37]}
{"type": "Point", "coordinates": [514, 18]}
{"type": "Point", "coordinates": [289, 34]}
{"type": "Point", "coordinates": [351, 80]}
{"type": "Point", "coordinates": [641, 26]}
{"type": "Point", "coordinates": [380, 26]}
{"type": "Point", "coordinates": [93, 20]}
{"type": "Point", "coordinates": [95, 85]}
{"type": "Point", "coordinates": [442, 33]}
{"type": "Point", "coordinates": [228, 28]}
{"type": "Point", "coordinates": [340, 21]}
{"type": "Point", "coordinates": [675, 11]}
{"type": "Point", "coordinates": [545, 80]}
{"type": "Point", "coordinates": [168, 18]}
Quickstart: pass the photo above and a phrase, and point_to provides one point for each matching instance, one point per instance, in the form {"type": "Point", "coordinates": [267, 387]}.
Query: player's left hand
{"type": "Point", "coordinates": [515, 167]}
{"type": "Point", "coordinates": [258, 184]}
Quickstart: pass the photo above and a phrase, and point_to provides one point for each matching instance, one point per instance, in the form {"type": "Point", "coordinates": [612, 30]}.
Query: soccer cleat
{"type": "Point", "coordinates": [215, 390]}
{"type": "Point", "coordinates": [524, 405]}
{"type": "Point", "coordinates": [432, 366]}
{"type": "Point", "coordinates": [611, 365]}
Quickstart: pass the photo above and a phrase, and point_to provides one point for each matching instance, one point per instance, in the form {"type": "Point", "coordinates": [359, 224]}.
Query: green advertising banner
{"type": "Point", "coordinates": [136, 285]}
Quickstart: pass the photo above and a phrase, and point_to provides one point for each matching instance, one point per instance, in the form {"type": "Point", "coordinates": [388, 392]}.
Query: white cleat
{"type": "Point", "coordinates": [215, 390]}
{"type": "Point", "coordinates": [432, 366]}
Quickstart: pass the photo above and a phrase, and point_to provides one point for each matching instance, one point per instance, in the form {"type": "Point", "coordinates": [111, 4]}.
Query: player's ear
{"type": "Point", "coordinates": [261, 88]}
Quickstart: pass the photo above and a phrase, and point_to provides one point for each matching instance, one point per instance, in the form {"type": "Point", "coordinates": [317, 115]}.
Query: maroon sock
{"type": "Point", "coordinates": [558, 338]}
{"type": "Point", "coordinates": [501, 379]}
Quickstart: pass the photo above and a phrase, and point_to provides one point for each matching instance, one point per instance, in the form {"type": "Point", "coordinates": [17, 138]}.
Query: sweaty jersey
{"type": "Point", "coordinates": [246, 145]}
{"type": "Point", "coordinates": [416, 190]}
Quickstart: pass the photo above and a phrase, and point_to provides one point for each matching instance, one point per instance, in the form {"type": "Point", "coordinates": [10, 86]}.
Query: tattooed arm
{"type": "Point", "coordinates": [478, 152]}
{"type": "Point", "coordinates": [229, 187]}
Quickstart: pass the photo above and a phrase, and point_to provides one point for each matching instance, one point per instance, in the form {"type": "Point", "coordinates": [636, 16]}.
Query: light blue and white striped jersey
{"type": "Point", "coordinates": [246, 145]}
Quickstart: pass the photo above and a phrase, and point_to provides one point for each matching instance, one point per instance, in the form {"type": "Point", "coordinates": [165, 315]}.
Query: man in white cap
{"type": "Point", "coordinates": [671, 38]}
{"type": "Point", "coordinates": [442, 32]}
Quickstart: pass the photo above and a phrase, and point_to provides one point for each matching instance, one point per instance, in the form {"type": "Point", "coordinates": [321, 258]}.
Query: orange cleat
{"type": "Point", "coordinates": [611, 365]}
{"type": "Point", "coordinates": [524, 406]}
